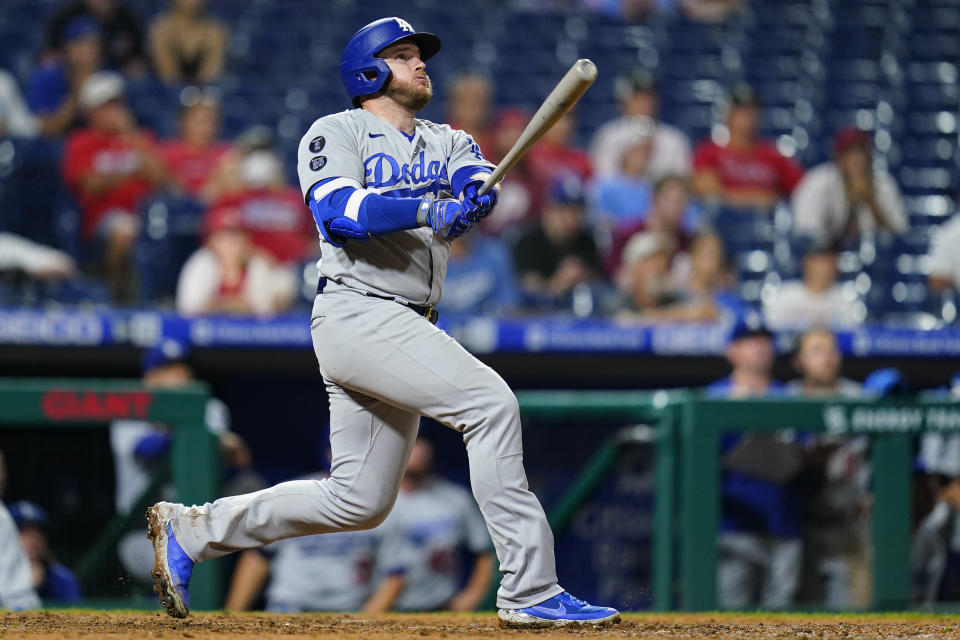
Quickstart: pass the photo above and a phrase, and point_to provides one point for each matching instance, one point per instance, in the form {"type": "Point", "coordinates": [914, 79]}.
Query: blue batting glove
{"type": "Point", "coordinates": [476, 206]}
{"type": "Point", "coordinates": [446, 217]}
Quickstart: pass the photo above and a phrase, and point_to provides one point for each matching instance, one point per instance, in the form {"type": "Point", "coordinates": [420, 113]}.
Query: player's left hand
{"type": "Point", "coordinates": [476, 206]}
{"type": "Point", "coordinates": [448, 219]}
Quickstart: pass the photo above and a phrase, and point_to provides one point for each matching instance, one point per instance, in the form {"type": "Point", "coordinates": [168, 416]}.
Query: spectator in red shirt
{"type": "Point", "coordinates": [109, 167]}
{"type": "Point", "coordinates": [521, 193]}
{"type": "Point", "coordinates": [468, 108]}
{"type": "Point", "coordinates": [744, 171]}
{"type": "Point", "coordinates": [671, 196]}
{"type": "Point", "coordinates": [555, 154]}
{"type": "Point", "coordinates": [192, 158]}
{"type": "Point", "coordinates": [273, 211]}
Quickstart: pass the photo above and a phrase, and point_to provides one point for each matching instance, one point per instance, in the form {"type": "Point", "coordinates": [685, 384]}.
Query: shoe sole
{"type": "Point", "coordinates": [529, 622]}
{"type": "Point", "coordinates": [162, 580]}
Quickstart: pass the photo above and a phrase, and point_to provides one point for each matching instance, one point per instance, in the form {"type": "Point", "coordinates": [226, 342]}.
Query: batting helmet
{"type": "Point", "coordinates": [362, 72]}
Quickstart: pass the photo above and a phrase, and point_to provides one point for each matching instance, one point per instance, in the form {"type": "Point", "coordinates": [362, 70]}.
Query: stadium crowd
{"type": "Point", "coordinates": [640, 224]}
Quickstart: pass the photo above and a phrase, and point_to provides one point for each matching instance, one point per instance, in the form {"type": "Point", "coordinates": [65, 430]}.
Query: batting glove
{"type": "Point", "coordinates": [446, 217]}
{"type": "Point", "coordinates": [476, 206]}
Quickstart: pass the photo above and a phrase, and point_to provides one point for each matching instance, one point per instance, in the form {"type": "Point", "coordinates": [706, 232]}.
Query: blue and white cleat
{"type": "Point", "coordinates": [172, 566]}
{"type": "Point", "coordinates": [560, 610]}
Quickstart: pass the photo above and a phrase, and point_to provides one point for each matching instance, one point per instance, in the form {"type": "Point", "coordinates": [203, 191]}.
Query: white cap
{"type": "Point", "coordinates": [100, 88]}
{"type": "Point", "coordinates": [643, 245]}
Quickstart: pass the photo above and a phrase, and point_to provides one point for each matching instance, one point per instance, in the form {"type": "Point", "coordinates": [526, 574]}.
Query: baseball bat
{"type": "Point", "coordinates": [573, 85]}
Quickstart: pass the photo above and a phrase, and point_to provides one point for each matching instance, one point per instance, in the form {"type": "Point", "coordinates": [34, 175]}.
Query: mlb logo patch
{"type": "Point", "coordinates": [318, 163]}
{"type": "Point", "coordinates": [316, 145]}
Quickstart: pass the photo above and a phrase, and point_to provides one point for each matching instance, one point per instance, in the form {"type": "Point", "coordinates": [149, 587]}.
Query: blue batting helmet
{"type": "Point", "coordinates": [362, 72]}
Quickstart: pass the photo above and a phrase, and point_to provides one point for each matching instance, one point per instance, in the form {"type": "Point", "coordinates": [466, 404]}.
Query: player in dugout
{"type": "Point", "coordinates": [389, 192]}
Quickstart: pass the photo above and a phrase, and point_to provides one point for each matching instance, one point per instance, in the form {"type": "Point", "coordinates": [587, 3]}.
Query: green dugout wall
{"type": "Point", "coordinates": [95, 403]}
{"type": "Point", "coordinates": [686, 433]}
{"type": "Point", "coordinates": [684, 427]}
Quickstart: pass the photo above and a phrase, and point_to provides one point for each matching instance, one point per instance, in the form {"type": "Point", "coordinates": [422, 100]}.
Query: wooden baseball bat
{"type": "Point", "coordinates": [573, 85]}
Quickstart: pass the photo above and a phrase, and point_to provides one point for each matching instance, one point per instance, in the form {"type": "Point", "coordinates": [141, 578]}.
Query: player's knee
{"type": "Point", "coordinates": [372, 515]}
{"type": "Point", "coordinates": [365, 506]}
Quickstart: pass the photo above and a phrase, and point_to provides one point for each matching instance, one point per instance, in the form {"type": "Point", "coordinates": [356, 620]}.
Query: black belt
{"type": "Point", "coordinates": [430, 313]}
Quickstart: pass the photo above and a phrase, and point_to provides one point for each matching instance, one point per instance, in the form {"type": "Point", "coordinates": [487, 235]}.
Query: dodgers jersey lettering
{"type": "Point", "coordinates": [356, 149]}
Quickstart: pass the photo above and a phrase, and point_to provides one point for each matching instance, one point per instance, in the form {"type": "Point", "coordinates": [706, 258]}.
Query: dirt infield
{"type": "Point", "coordinates": [57, 624]}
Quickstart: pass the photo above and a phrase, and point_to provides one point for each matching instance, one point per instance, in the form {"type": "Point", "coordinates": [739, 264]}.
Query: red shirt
{"type": "Point", "coordinates": [547, 161]}
{"type": "Point", "coordinates": [191, 167]}
{"type": "Point", "coordinates": [90, 151]}
{"type": "Point", "coordinates": [278, 221]}
{"type": "Point", "coordinates": [760, 167]}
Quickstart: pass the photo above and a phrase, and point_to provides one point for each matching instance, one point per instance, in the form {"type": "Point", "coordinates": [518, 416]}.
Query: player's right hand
{"type": "Point", "coordinates": [448, 219]}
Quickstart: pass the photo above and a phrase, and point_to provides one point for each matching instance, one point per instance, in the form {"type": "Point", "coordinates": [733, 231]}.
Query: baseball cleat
{"type": "Point", "coordinates": [560, 610]}
{"type": "Point", "coordinates": [172, 566]}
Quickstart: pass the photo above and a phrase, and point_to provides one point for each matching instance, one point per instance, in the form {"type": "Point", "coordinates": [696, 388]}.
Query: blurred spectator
{"type": "Point", "coordinates": [109, 167]}
{"type": "Point", "coordinates": [738, 169]}
{"type": "Point", "coordinates": [644, 276]}
{"type": "Point", "coordinates": [669, 203]}
{"type": "Point", "coordinates": [468, 108]}
{"type": "Point", "coordinates": [817, 360]}
{"type": "Point", "coordinates": [709, 10]}
{"type": "Point", "coordinates": [53, 581]}
{"type": "Point", "coordinates": [521, 193]}
{"type": "Point", "coordinates": [192, 159]}
{"type": "Point", "coordinates": [121, 34]}
{"type": "Point", "coordinates": [229, 275]}
{"type": "Point", "coordinates": [704, 293]}
{"type": "Point", "coordinates": [188, 45]}
{"type": "Point", "coordinates": [16, 577]}
{"type": "Point", "coordinates": [639, 101]}
{"type": "Point", "coordinates": [16, 120]}
{"type": "Point", "coordinates": [837, 500]}
{"type": "Point", "coordinates": [559, 252]}
{"type": "Point", "coordinates": [139, 448]}
{"type": "Point", "coordinates": [432, 523]}
{"type": "Point", "coordinates": [624, 197]}
{"type": "Point", "coordinates": [816, 300]}
{"type": "Point", "coordinates": [944, 256]}
{"type": "Point", "coordinates": [479, 277]}
{"type": "Point", "coordinates": [273, 212]}
{"type": "Point", "coordinates": [36, 260]}
{"type": "Point", "coordinates": [54, 89]}
{"type": "Point", "coordinates": [838, 200]}
{"type": "Point", "coordinates": [762, 514]}
{"type": "Point", "coordinates": [556, 154]}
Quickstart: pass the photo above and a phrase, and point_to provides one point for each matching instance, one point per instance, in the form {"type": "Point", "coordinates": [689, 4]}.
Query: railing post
{"type": "Point", "coordinates": [196, 473]}
{"type": "Point", "coordinates": [664, 509]}
{"type": "Point", "coordinates": [699, 509]}
{"type": "Point", "coordinates": [891, 521]}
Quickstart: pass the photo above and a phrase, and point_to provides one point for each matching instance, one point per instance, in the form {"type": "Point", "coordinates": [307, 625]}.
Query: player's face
{"type": "Point", "coordinates": [409, 85]}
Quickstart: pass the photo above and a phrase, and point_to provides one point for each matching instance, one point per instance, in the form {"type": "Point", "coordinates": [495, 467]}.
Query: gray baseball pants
{"type": "Point", "coordinates": [385, 366]}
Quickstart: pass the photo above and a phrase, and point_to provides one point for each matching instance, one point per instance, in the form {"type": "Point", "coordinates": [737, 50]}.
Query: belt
{"type": "Point", "coordinates": [430, 313]}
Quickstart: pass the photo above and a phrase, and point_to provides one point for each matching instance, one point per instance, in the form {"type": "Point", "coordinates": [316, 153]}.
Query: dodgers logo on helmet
{"type": "Point", "coordinates": [403, 24]}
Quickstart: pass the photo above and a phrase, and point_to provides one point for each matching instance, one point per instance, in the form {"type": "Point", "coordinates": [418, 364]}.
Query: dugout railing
{"type": "Point", "coordinates": [684, 427]}
{"type": "Point", "coordinates": [686, 433]}
{"type": "Point", "coordinates": [194, 457]}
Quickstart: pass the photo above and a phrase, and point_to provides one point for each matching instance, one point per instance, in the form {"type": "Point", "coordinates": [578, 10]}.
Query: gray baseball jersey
{"type": "Point", "coordinates": [16, 580]}
{"type": "Point", "coordinates": [357, 149]}
{"type": "Point", "coordinates": [332, 572]}
{"type": "Point", "coordinates": [425, 535]}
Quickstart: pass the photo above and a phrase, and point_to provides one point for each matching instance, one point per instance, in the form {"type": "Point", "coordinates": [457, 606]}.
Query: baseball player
{"type": "Point", "coordinates": [329, 572]}
{"type": "Point", "coordinates": [432, 522]}
{"type": "Point", "coordinates": [389, 193]}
